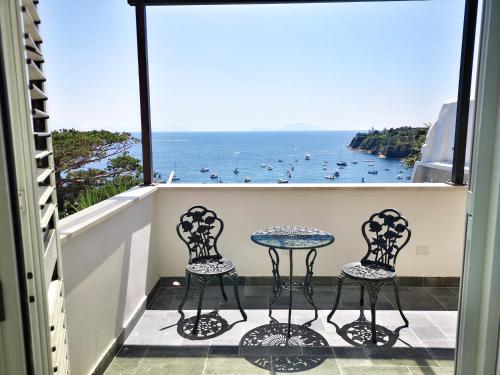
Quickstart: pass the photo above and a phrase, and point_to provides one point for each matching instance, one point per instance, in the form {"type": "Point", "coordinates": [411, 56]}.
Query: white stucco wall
{"type": "Point", "coordinates": [436, 213]}
{"type": "Point", "coordinates": [107, 272]}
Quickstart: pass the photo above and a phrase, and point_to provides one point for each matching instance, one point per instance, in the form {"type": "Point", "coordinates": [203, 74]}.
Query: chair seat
{"type": "Point", "coordinates": [211, 266]}
{"type": "Point", "coordinates": [367, 271]}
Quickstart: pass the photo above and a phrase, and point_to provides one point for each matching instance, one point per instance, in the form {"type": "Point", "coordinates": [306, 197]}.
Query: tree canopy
{"type": "Point", "coordinates": [92, 166]}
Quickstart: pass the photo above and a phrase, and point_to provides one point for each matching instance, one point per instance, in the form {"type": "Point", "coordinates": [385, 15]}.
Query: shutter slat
{"type": "Point", "coordinates": [50, 257]}
{"type": "Point", "coordinates": [36, 113]}
{"type": "Point", "coordinates": [42, 174]}
{"type": "Point", "coordinates": [43, 154]}
{"type": "Point", "coordinates": [36, 93]}
{"type": "Point", "coordinates": [45, 192]}
{"type": "Point", "coordinates": [47, 215]}
{"type": "Point", "coordinates": [34, 72]}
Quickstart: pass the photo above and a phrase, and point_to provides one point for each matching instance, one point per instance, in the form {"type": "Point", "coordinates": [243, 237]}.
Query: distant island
{"type": "Point", "coordinates": [399, 143]}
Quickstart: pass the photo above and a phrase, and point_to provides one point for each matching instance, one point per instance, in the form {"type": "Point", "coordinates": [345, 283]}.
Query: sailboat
{"type": "Point", "coordinates": [283, 180]}
{"type": "Point", "coordinates": [341, 163]}
{"type": "Point", "coordinates": [175, 177]}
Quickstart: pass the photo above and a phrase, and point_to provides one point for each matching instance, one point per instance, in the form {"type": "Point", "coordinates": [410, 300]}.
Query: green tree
{"type": "Point", "coordinates": [80, 179]}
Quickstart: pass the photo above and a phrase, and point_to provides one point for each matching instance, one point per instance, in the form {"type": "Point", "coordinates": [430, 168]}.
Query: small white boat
{"type": "Point", "coordinates": [325, 168]}
{"type": "Point", "coordinates": [203, 170]}
{"type": "Point", "coordinates": [372, 172]}
{"type": "Point", "coordinates": [247, 179]}
{"type": "Point", "coordinates": [270, 168]}
{"type": "Point", "coordinates": [401, 172]}
{"type": "Point", "coordinates": [262, 165]}
{"type": "Point", "coordinates": [236, 171]}
{"type": "Point", "coordinates": [399, 177]}
{"type": "Point", "coordinates": [329, 177]}
{"type": "Point", "coordinates": [214, 176]}
{"type": "Point", "coordinates": [308, 156]}
{"type": "Point", "coordinates": [282, 181]}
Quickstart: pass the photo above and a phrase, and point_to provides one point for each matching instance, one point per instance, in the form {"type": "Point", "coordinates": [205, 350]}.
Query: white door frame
{"type": "Point", "coordinates": [478, 330]}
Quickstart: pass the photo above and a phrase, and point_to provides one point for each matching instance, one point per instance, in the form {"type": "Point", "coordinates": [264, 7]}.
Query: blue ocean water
{"type": "Point", "coordinates": [222, 152]}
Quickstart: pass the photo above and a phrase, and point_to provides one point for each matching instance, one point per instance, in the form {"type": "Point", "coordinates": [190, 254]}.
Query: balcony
{"type": "Point", "coordinates": [124, 266]}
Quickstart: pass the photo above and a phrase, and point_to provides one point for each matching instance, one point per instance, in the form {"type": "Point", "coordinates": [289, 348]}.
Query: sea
{"type": "Point", "coordinates": [252, 153]}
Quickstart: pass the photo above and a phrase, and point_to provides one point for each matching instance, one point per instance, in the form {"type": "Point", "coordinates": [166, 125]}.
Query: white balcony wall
{"type": "Point", "coordinates": [436, 213]}
{"type": "Point", "coordinates": [106, 253]}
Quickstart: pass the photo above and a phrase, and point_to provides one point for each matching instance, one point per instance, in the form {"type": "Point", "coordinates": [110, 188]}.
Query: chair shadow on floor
{"type": "Point", "coordinates": [211, 325]}
{"type": "Point", "coordinates": [358, 333]}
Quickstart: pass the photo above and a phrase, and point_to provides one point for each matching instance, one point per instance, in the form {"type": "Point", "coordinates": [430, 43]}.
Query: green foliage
{"type": "Point", "coordinates": [94, 195]}
{"type": "Point", "coordinates": [79, 182]}
{"type": "Point", "coordinates": [402, 143]}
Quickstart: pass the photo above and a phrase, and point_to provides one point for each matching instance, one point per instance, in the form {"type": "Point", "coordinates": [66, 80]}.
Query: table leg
{"type": "Point", "coordinates": [308, 287]}
{"type": "Point", "coordinates": [290, 294]}
{"type": "Point", "coordinates": [277, 281]}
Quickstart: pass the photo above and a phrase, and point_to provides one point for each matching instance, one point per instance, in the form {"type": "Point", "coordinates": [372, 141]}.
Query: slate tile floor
{"type": "Point", "coordinates": [159, 345]}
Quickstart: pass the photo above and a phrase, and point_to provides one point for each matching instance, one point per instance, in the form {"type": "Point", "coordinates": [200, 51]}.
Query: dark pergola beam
{"type": "Point", "coordinates": [236, 2]}
{"type": "Point", "coordinates": [142, 58]}
{"type": "Point", "coordinates": [464, 89]}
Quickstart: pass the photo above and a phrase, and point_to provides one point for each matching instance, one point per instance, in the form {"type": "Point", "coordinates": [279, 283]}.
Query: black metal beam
{"type": "Point", "coordinates": [142, 58]}
{"type": "Point", "coordinates": [464, 89]}
{"type": "Point", "coordinates": [237, 2]}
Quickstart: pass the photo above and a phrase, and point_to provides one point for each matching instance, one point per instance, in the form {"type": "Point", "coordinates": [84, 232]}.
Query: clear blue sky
{"type": "Point", "coordinates": [260, 67]}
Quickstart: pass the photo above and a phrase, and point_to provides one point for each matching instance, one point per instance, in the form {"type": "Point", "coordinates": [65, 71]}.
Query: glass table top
{"type": "Point", "coordinates": [285, 237]}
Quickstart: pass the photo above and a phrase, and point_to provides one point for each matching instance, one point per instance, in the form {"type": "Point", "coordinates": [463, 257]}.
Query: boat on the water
{"type": "Point", "coordinates": [270, 168]}
{"type": "Point", "coordinates": [293, 168]}
{"type": "Point", "coordinates": [399, 177]}
{"type": "Point", "coordinates": [386, 169]}
{"type": "Point", "coordinates": [174, 176]}
{"type": "Point", "coordinates": [296, 160]}
{"type": "Point", "coordinates": [341, 162]}
{"type": "Point", "coordinates": [307, 156]}
{"type": "Point", "coordinates": [236, 171]}
{"type": "Point", "coordinates": [203, 170]}
{"type": "Point", "coordinates": [280, 160]}
{"type": "Point", "coordinates": [401, 172]}
{"type": "Point", "coordinates": [373, 171]}
{"type": "Point", "coordinates": [247, 179]}
{"type": "Point", "coordinates": [329, 177]}
{"type": "Point", "coordinates": [325, 168]}
{"type": "Point", "coordinates": [262, 165]}
{"type": "Point", "coordinates": [282, 181]}
{"type": "Point", "coordinates": [214, 176]}
{"type": "Point", "coordinates": [371, 164]}
{"type": "Point", "coordinates": [336, 173]}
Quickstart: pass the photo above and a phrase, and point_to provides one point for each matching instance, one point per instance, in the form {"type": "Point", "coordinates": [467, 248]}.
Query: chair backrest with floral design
{"type": "Point", "coordinates": [199, 228]}
{"type": "Point", "coordinates": [386, 233]}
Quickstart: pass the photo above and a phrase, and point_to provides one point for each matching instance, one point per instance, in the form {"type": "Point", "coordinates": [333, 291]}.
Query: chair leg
{"type": "Point", "coordinates": [200, 302]}
{"type": "Point", "coordinates": [224, 295]}
{"type": "Point", "coordinates": [373, 291]}
{"type": "Point", "coordinates": [234, 277]}
{"type": "Point", "coordinates": [362, 298]}
{"type": "Point", "coordinates": [395, 282]}
{"type": "Point", "coordinates": [373, 306]}
{"type": "Point", "coordinates": [188, 283]}
{"type": "Point", "coordinates": [339, 290]}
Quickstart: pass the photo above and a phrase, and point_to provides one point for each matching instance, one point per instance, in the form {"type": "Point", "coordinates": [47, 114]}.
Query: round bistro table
{"type": "Point", "coordinates": [292, 239]}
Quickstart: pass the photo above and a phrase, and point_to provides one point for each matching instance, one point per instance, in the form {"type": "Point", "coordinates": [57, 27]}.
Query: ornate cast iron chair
{"type": "Point", "coordinates": [200, 228]}
{"type": "Point", "coordinates": [386, 233]}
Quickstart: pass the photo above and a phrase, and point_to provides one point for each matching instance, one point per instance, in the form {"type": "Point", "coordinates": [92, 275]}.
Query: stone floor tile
{"type": "Point", "coordinates": [328, 366]}
{"type": "Point", "coordinates": [233, 366]}
{"type": "Point", "coordinates": [430, 332]}
{"type": "Point", "coordinates": [430, 371]}
{"type": "Point", "coordinates": [375, 370]}
{"type": "Point", "coordinates": [172, 365]}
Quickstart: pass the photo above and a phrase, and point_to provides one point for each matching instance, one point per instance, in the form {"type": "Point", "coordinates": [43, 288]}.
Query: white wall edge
{"type": "Point", "coordinates": [84, 220]}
